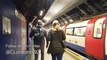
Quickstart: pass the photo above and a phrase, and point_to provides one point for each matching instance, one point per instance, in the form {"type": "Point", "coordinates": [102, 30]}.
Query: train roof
{"type": "Point", "coordinates": [79, 24]}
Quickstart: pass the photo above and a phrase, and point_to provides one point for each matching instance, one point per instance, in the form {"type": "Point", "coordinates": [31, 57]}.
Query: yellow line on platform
{"type": "Point", "coordinates": [73, 54]}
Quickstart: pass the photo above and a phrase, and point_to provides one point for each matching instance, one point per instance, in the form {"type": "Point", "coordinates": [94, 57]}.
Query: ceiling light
{"type": "Point", "coordinates": [41, 12]}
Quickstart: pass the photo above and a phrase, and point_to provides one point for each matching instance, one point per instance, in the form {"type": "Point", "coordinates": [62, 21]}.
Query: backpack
{"type": "Point", "coordinates": [38, 36]}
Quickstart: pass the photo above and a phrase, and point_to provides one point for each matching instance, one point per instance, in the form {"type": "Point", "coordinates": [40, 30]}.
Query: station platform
{"type": "Point", "coordinates": [68, 55]}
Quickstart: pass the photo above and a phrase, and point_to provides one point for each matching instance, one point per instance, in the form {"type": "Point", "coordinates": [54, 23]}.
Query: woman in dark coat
{"type": "Point", "coordinates": [56, 37]}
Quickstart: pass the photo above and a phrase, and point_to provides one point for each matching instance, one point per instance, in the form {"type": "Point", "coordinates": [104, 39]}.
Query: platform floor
{"type": "Point", "coordinates": [66, 56]}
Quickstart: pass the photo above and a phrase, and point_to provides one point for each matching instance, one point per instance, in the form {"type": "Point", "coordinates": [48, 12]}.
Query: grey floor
{"type": "Point", "coordinates": [66, 56]}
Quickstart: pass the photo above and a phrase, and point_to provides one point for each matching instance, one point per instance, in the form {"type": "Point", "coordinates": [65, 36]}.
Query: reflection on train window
{"type": "Point", "coordinates": [6, 25]}
{"type": "Point", "coordinates": [69, 31]}
{"type": "Point", "coordinates": [80, 31]}
{"type": "Point", "coordinates": [98, 28]}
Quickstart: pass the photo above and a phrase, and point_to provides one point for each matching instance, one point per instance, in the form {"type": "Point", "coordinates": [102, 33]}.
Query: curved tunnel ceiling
{"type": "Point", "coordinates": [53, 8]}
{"type": "Point", "coordinates": [32, 8]}
{"type": "Point", "coordinates": [59, 7]}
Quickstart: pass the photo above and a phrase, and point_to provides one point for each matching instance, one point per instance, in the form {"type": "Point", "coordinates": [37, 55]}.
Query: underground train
{"type": "Point", "coordinates": [89, 36]}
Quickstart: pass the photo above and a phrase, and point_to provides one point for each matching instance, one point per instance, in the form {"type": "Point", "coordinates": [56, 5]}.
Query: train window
{"type": "Point", "coordinates": [69, 31]}
{"type": "Point", "coordinates": [6, 25]}
{"type": "Point", "coordinates": [98, 28]}
{"type": "Point", "coordinates": [80, 31]}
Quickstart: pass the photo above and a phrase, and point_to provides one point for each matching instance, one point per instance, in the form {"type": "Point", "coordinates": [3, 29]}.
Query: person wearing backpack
{"type": "Point", "coordinates": [39, 35]}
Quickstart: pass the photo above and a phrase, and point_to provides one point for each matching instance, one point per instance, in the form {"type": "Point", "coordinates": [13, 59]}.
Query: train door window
{"type": "Point", "coordinates": [6, 25]}
{"type": "Point", "coordinates": [69, 31]}
{"type": "Point", "coordinates": [98, 28]}
{"type": "Point", "coordinates": [80, 31]}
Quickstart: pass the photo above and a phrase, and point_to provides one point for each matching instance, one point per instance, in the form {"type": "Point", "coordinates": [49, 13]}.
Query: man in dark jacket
{"type": "Point", "coordinates": [38, 33]}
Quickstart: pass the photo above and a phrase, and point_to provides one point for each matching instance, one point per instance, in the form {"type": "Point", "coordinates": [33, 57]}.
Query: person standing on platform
{"type": "Point", "coordinates": [38, 33]}
{"type": "Point", "coordinates": [56, 36]}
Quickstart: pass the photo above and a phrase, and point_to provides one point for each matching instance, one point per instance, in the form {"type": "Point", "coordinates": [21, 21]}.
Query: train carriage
{"type": "Point", "coordinates": [96, 42]}
{"type": "Point", "coordinates": [89, 37]}
{"type": "Point", "coordinates": [75, 35]}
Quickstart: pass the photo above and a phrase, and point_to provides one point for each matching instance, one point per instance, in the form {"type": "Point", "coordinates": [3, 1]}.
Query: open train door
{"type": "Point", "coordinates": [95, 37]}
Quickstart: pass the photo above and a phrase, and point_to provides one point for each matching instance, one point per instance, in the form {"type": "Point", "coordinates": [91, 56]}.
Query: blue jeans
{"type": "Point", "coordinates": [57, 56]}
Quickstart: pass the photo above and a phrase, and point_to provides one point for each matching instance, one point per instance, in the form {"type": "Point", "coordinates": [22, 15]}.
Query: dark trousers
{"type": "Point", "coordinates": [37, 52]}
{"type": "Point", "coordinates": [57, 56]}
